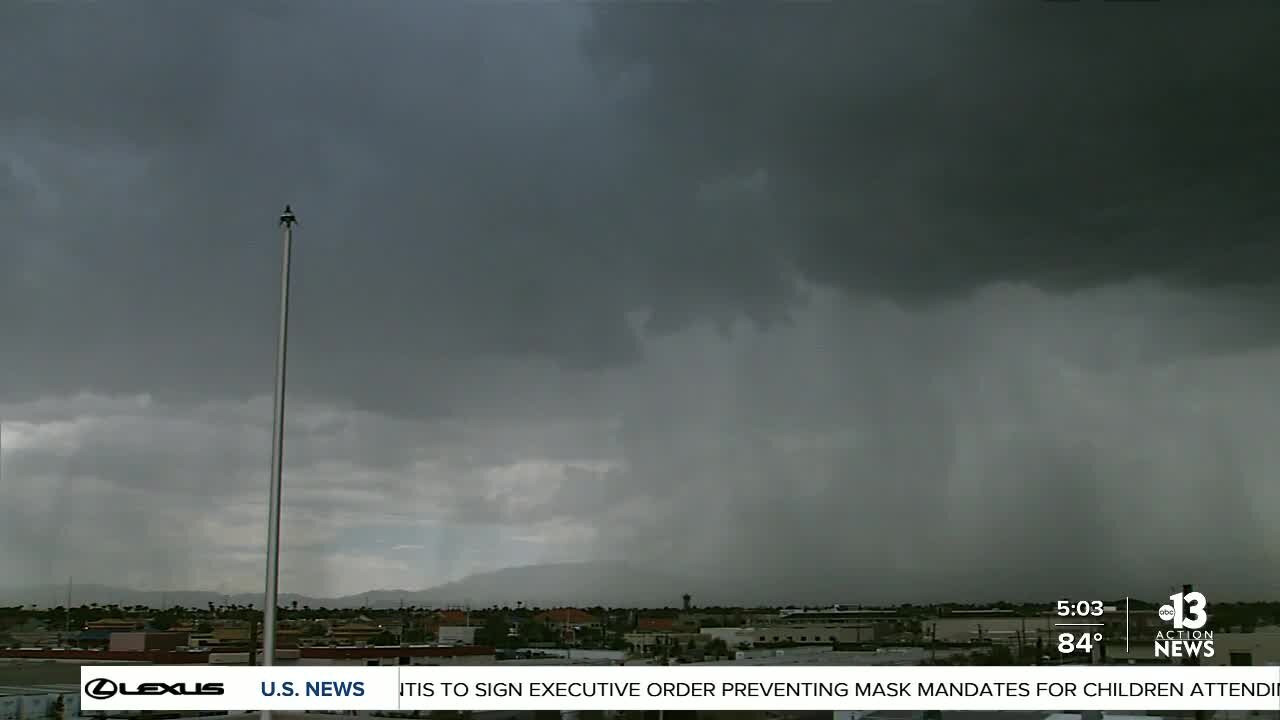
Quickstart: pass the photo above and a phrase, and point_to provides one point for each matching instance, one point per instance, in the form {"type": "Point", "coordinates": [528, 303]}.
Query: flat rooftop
{"type": "Point", "coordinates": [10, 690]}
{"type": "Point", "coordinates": [833, 658]}
{"type": "Point", "coordinates": [39, 673]}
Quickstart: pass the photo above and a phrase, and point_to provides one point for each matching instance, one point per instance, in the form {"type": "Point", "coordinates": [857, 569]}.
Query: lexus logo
{"type": "Point", "coordinates": [102, 688]}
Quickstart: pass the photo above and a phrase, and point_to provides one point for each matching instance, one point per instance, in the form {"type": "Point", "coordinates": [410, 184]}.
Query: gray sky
{"type": "Point", "coordinates": [798, 295]}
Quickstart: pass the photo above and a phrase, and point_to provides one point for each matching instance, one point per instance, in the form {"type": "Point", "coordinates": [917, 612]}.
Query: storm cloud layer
{"type": "Point", "coordinates": [923, 149]}
{"type": "Point", "coordinates": [770, 291]}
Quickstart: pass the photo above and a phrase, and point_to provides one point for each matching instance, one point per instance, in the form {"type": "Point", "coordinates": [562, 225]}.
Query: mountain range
{"type": "Point", "coordinates": [582, 584]}
{"type": "Point", "coordinates": [621, 584]}
{"type": "Point", "coordinates": [616, 584]}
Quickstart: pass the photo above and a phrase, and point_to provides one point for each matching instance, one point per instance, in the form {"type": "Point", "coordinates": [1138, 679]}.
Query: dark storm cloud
{"type": "Point", "coordinates": [471, 186]}
{"type": "Point", "coordinates": [532, 232]}
{"type": "Point", "coordinates": [922, 149]}
{"type": "Point", "coordinates": [463, 182]}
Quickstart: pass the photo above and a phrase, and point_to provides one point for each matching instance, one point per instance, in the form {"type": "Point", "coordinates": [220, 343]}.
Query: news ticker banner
{"type": "Point", "coordinates": [724, 687]}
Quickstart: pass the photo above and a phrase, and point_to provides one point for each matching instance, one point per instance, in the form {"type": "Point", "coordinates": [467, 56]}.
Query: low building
{"type": "Point", "coordinates": [563, 618]}
{"type": "Point", "coordinates": [83, 657]}
{"type": "Point", "coordinates": [354, 633]}
{"type": "Point", "coordinates": [195, 638]}
{"type": "Point", "coordinates": [667, 625]}
{"type": "Point", "coordinates": [453, 617]}
{"type": "Point", "coordinates": [885, 623]}
{"type": "Point", "coordinates": [828, 657]}
{"type": "Point", "coordinates": [650, 642]}
{"type": "Point", "coordinates": [404, 655]}
{"type": "Point", "coordinates": [371, 656]}
{"type": "Point", "coordinates": [796, 633]}
{"type": "Point", "coordinates": [91, 639]}
{"type": "Point", "coordinates": [1238, 648]}
{"type": "Point", "coordinates": [839, 616]}
{"type": "Point", "coordinates": [288, 637]}
{"type": "Point", "coordinates": [115, 624]}
{"type": "Point", "coordinates": [731, 636]}
{"type": "Point", "coordinates": [241, 657]}
{"type": "Point", "coordinates": [655, 625]}
{"type": "Point", "coordinates": [21, 673]}
{"type": "Point", "coordinates": [456, 635]}
{"type": "Point", "coordinates": [990, 626]}
{"type": "Point", "coordinates": [229, 635]}
{"type": "Point", "coordinates": [133, 641]}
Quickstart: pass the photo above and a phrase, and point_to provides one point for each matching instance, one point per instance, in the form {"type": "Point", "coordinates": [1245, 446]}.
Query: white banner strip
{"type": "Point", "coordinates": [299, 688]}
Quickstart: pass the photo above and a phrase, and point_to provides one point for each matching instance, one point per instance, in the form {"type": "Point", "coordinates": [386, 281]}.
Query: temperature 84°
{"type": "Point", "coordinates": [1070, 642]}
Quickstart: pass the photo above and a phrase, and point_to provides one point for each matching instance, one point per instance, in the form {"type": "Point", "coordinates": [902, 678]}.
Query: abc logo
{"type": "Point", "coordinates": [1166, 612]}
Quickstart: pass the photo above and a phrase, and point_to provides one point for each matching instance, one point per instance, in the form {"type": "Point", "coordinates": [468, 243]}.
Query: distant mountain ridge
{"type": "Point", "coordinates": [628, 585]}
{"type": "Point", "coordinates": [582, 584]}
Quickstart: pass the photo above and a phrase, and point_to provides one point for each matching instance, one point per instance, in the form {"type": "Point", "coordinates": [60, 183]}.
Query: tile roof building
{"type": "Point", "coordinates": [568, 617]}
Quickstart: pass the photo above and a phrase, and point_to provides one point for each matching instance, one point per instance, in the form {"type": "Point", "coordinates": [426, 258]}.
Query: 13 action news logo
{"type": "Point", "coordinates": [1186, 612]}
{"type": "Point", "coordinates": [102, 689]}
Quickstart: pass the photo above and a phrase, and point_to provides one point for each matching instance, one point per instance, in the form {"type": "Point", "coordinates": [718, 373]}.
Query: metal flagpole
{"type": "Point", "coordinates": [287, 220]}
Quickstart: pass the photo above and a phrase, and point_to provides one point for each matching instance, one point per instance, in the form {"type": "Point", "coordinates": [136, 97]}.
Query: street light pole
{"type": "Point", "coordinates": [287, 219]}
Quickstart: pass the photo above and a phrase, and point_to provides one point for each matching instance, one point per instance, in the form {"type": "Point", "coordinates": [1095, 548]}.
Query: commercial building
{"type": "Point", "coordinates": [229, 635]}
{"type": "Point", "coordinates": [568, 618]}
{"type": "Point", "coordinates": [885, 623]}
{"type": "Point", "coordinates": [90, 657]}
{"type": "Point", "coordinates": [241, 657]}
{"type": "Point", "coordinates": [115, 624]}
{"type": "Point", "coordinates": [241, 635]}
{"type": "Point", "coordinates": [91, 639]}
{"type": "Point", "coordinates": [825, 656]}
{"type": "Point", "coordinates": [406, 655]}
{"type": "Point", "coordinates": [133, 641]}
{"type": "Point", "coordinates": [1256, 648]}
{"type": "Point", "coordinates": [401, 655]}
{"type": "Point", "coordinates": [811, 633]}
{"type": "Point", "coordinates": [796, 633]}
{"type": "Point", "coordinates": [731, 636]}
{"type": "Point", "coordinates": [354, 633]}
{"type": "Point", "coordinates": [990, 626]}
{"type": "Point", "coordinates": [456, 635]}
{"type": "Point", "coordinates": [838, 616]}
{"type": "Point", "coordinates": [667, 625]}
{"type": "Point", "coordinates": [649, 642]}
{"type": "Point", "coordinates": [195, 638]}
{"type": "Point", "coordinates": [562, 656]}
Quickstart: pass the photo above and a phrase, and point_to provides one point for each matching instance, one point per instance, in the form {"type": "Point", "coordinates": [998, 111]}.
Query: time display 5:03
{"type": "Point", "coordinates": [1083, 608]}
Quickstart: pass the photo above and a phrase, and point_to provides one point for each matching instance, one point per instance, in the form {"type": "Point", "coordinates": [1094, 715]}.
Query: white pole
{"type": "Point", "coordinates": [287, 219]}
